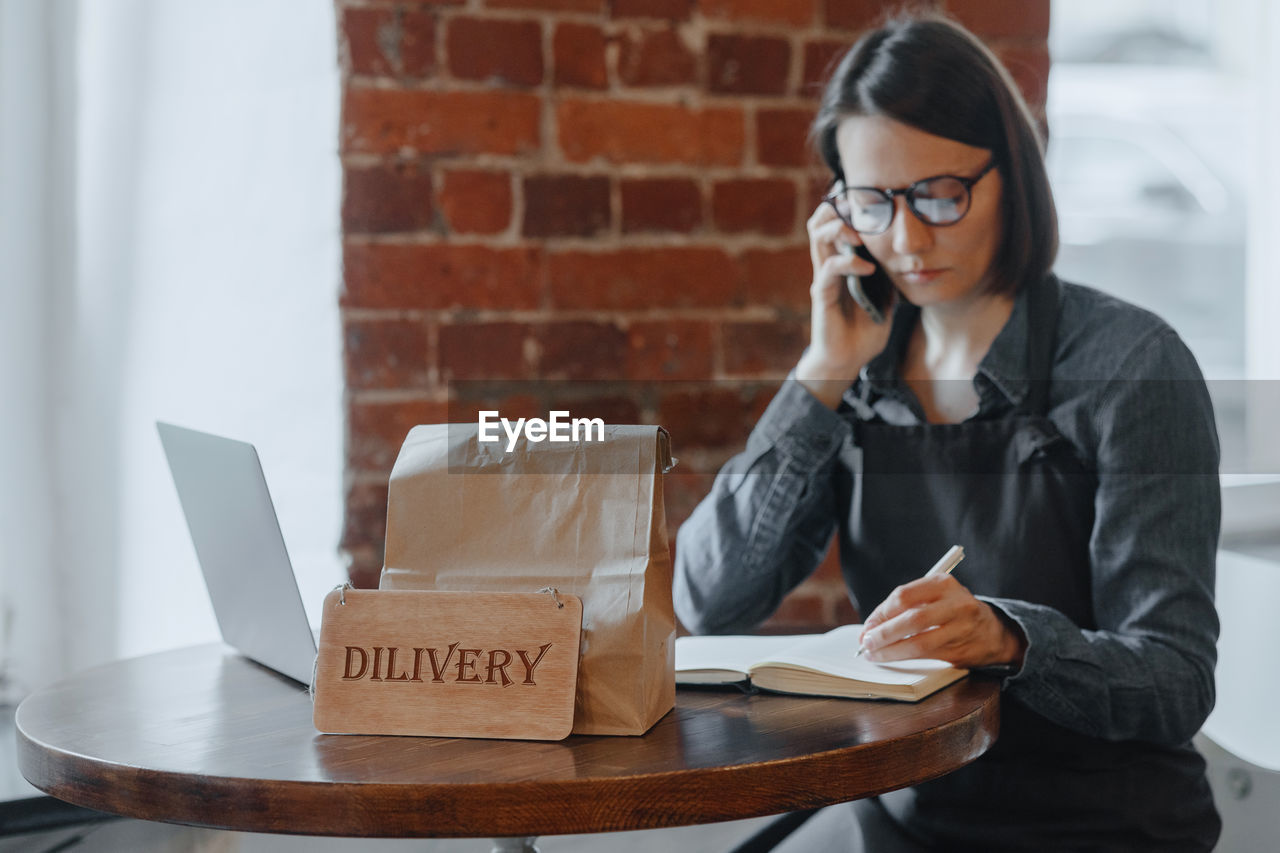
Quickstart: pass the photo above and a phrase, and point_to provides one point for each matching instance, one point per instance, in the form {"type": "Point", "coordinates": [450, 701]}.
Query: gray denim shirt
{"type": "Point", "coordinates": [1128, 396]}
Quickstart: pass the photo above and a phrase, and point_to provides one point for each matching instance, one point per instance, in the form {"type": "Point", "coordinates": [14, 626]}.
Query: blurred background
{"type": "Point", "coordinates": [175, 224]}
{"type": "Point", "coordinates": [300, 223]}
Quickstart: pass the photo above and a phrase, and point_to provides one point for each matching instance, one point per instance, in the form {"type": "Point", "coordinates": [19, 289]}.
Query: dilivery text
{"type": "Point", "coordinates": [458, 665]}
{"type": "Point", "coordinates": [559, 427]}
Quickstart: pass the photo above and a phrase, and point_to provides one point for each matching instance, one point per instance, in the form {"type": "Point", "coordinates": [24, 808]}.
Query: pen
{"type": "Point", "coordinates": [945, 564]}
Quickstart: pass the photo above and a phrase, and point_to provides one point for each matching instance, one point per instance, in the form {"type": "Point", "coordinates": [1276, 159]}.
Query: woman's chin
{"type": "Point", "coordinates": [933, 289]}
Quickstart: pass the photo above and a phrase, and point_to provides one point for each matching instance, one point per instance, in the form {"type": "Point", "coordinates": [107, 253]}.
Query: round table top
{"type": "Point", "coordinates": [203, 736]}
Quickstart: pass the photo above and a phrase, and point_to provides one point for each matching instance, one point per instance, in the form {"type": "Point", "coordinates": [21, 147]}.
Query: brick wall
{"type": "Point", "coordinates": [611, 191]}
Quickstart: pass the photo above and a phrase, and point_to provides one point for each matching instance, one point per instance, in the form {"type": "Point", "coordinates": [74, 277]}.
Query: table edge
{"type": "Point", "coordinates": [396, 809]}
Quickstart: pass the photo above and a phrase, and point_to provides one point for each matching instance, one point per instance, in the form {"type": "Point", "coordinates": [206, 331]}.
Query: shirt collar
{"type": "Point", "coordinates": [1004, 365]}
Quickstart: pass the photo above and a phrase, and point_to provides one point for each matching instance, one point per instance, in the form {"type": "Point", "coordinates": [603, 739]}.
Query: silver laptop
{"type": "Point", "coordinates": [241, 550]}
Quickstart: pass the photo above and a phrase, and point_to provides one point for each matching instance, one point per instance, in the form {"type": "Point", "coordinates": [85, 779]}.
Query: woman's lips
{"type": "Point", "coordinates": [923, 276]}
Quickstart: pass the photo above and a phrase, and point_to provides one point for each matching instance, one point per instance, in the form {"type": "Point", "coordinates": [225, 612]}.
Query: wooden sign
{"type": "Point", "coordinates": [449, 664]}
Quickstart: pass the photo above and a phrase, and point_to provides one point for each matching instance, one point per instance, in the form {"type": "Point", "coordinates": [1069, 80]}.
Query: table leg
{"type": "Point", "coordinates": [515, 845]}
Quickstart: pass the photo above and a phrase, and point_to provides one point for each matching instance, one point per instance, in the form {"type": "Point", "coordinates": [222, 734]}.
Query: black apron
{"type": "Point", "coordinates": [1012, 491]}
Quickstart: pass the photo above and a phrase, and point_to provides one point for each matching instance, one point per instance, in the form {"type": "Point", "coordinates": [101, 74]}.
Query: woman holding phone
{"type": "Point", "coordinates": [1064, 438]}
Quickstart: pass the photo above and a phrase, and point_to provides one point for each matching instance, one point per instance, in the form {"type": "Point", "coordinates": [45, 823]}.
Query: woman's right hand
{"type": "Point", "coordinates": [842, 337]}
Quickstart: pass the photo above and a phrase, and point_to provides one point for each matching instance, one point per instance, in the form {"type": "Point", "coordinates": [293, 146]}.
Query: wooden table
{"type": "Point", "coordinates": [202, 736]}
{"type": "Point", "coordinates": [23, 809]}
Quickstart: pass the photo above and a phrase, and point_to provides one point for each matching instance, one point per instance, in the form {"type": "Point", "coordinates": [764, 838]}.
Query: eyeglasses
{"type": "Point", "coordinates": [940, 200]}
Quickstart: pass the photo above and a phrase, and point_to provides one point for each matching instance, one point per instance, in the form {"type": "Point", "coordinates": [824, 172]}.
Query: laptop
{"type": "Point", "coordinates": [240, 548]}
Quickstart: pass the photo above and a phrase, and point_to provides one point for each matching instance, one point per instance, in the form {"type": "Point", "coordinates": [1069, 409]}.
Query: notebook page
{"type": "Point", "coordinates": [735, 652]}
{"type": "Point", "coordinates": [833, 652]}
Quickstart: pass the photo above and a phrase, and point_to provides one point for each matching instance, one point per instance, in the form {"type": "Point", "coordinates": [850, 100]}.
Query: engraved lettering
{"type": "Point", "coordinates": [373, 664]}
{"type": "Point", "coordinates": [501, 667]}
{"type": "Point", "coordinates": [464, 664]}
{"type": "Point", "coordinates": [364, 663]}
{"type": "Point", "coordinates": [529, 667]}
{"type": "Point", "coordinates": [391, 663]}
{"type": "Point", "coordinates": [437, 667]}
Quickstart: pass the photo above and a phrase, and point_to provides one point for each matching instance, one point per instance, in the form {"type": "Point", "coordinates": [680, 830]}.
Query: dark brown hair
{"type": "Point", "coordinates": [927, 71]}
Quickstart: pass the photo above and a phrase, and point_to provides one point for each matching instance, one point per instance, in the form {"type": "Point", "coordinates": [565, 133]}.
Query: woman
{"type": "Point", "coordinates": [1064, 438]}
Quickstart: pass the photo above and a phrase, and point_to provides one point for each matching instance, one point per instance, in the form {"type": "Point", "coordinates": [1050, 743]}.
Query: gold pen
{"type": "Point", "coordinates": [945, 564]}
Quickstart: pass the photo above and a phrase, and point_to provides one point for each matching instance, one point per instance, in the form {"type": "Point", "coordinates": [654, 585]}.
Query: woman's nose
{"type": "Point", "coordinates": [910, 235]}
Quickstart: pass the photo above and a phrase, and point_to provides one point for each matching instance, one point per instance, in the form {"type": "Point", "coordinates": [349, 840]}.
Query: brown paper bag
{"type": "Point", "coordinates": [584, 517]}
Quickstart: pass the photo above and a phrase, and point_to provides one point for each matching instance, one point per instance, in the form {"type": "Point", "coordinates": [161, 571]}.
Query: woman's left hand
{"type": "Point", "coordinates": [938, 618]}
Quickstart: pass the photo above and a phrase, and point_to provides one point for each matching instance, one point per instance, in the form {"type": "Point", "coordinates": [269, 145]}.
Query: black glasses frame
{"type": "Point", "coordinates": [908, 193]}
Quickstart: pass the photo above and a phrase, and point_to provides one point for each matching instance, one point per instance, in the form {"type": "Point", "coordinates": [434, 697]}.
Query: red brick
{"type": "Point", "coordinates": [829, 569]}
{"type": "Point", "coordinates": [595, 6]}
{"type": "Point", "coordinates": [385, 121]}
{"type": "Point", "coordinates": [760, 399]}
{"type": "Point", "coordinates": [820, 59]}
{"type": "Point", "coordinates": [771, 348]}
{"type": "Point", "coordinates": [366, 516]}
{"type": "Point", "coordinates": [801, 611]}
{"type": "Point", "coordinates": [483, 351]}
{"type": "Point", "coordinates": [778, 278]}
{"type": "Point", "coordinates": [844, 611]}
{"type": "Point", "coordinates": [639, 279]}
{"type": "Point", "coordinates": [1003, 18]}
{"type": "Point", "coordinates": [712, 416]}
{"type": "Point", "coordinates": [364, 564]}
{"type": "Point", "coordinates": [1029, 66]}
{"type": "Point", "coordinates": [630, 132]}
{"type": "Point", "coordinates": [818, 604]}
{"type": "Point", "coordinates": [384, 41]}
{"type": "Point", "coordinates": [782, 137]}
{"type": "Point", "coordinates": [794, 12]}
{"type": "Point", "coordinates": [748, 65]}
{"type": "Point", "coordinates": [676, 10]}
{"type": "Point", "coordinates": [386, 354]}
{"type": "Point", "coordinates": [682, 491]}
{"type": "Point", "coordinates": [386, 198]}
{"type": "Point", "coordinates": [469, 398]}
{"type": "Point", "coordinates": [475, 201]}
{"type": "Point", "coordinates": [580, 350]}
{"type": "Point", "coordinates": [565, 205]}
{"type": "Point", "coordinates": [499, 51]}
{"type": "Point", "coordinates": [610, 409]}
{"type": "Point", "coordinates": [377, 430]}
{"type": "Point", "coordinates": [766, 205]}
{"type": "Point", "coordinates": [661, 204]}
{"type": "Point", "coordinates": [669, 349]}
{"type": "Point", "coordinates": [817, 187]}
{"type": "Point", "coordinates": [858, 14]}
{"type": "Point", "coordinates": [656, 58]}
{"type": "Point", "coordinates": [372, 39]}
{"type": "Point", "coordinates": [437, 277]}
{"type": "Point", "coordinates": [418, 43]}
{"type": "Point", "coordinates": [579, 56]}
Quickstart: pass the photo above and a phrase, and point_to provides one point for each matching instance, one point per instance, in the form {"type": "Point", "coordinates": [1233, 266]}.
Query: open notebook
{"type": "Point", "coordinates": [810, 664]}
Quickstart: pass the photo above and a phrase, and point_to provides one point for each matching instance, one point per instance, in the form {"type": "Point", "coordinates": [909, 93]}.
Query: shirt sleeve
{"type": "Point", "coordinates": [768, 520]}
{"type": "Point", "coordinates": [1146, 672]}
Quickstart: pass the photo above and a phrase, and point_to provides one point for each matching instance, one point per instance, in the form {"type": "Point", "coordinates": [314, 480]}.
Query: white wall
{"type": "Point", "coordinates": [228, 260]}
{"type": "Point", "coordinates": [34, 203]}
{"type": "Point", "coordinates": [193, 277]}
{"type": "Point", "coordinates": [1262, 297]}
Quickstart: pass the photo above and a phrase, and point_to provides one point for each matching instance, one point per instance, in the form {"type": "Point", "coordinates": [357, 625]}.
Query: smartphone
{"type": "Point", "coordinates": [872, 293]}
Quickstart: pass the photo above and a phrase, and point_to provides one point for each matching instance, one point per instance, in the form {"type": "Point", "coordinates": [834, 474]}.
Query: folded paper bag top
{"type": "Point", "coordinates": [585, 517]}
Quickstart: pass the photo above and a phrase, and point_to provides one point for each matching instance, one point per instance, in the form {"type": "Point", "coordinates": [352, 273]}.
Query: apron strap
{"type": "Point", "coordinates": [1042, 333]}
